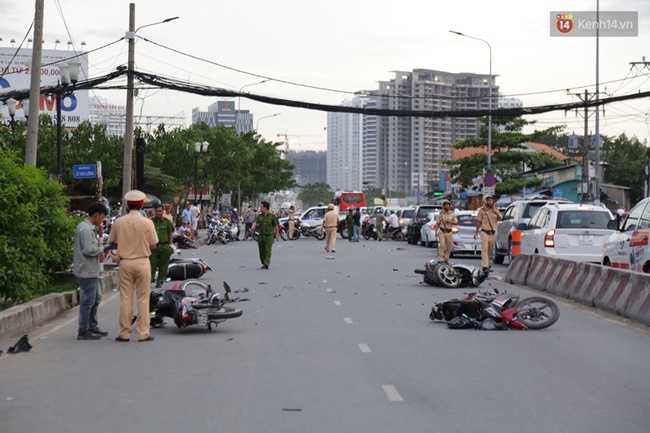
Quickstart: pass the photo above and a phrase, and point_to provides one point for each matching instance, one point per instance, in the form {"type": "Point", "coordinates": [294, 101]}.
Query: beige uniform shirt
{"type": "Point", "coordinates": [488, 218]}
{"type": "Point", "coordinates": [446, 220]}
{"type": "Point", "coordinates": [331, 220]}
{"type": "Point", "coordinates": [134, 234]}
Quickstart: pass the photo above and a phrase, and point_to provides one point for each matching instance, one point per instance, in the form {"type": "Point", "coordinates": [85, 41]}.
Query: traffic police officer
{"type": "Point", "coordinates": [487, 218]}
{"type": "Point", "coordinates": [135, 237]}
{"type": "Point", "coordinates": [446, 219]}
{"type": "Point", "coordinates": [160, 256]}
{"type": "Point", "coordinates": [268, 224]}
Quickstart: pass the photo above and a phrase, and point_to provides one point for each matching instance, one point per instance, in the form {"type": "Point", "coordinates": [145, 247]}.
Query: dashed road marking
{"type": "Point", "coordinates": [364, 348]}
{"type": "Point", "coordinates": [329, 290]}
{"type": "Point", "coordinates": [337, 303]}
{"type": "Point", "coordinates": [391, 393]}
{"type": "Point", "coordinates": [348, 320]}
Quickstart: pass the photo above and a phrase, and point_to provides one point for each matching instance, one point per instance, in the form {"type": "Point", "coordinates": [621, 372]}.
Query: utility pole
{"type": "Point", "coordinates": [35, 86]}
{"type": "Point", "coordinates": [585, 181]}
{"type": "Point", "coordinates": [128, 132]}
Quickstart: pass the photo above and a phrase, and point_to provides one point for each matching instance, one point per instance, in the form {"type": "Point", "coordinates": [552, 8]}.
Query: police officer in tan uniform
{"type": "Point", "coordinates": [330, 225]}
{"type": "Point", "coordinates": [487, 218]}
{"type": "Point", "coordinates": [135, 237]}
{"type": "Point", "coordinates": [446, 220]}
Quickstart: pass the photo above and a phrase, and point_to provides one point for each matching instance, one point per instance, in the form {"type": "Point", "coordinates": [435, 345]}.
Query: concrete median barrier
{"type": "Point", "coordinates": [518, 269]}
{"type": "Point", "coordinates": [617, 291]}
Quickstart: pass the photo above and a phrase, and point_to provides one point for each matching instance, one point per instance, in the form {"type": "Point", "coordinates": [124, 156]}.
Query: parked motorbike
{"type": "Point", "coordinates": [368, 230]}
{"type": "Point", "coordinates": [452, 276]}
{"type": "Point", "coordinates": [398, 234]}
{"type": "Point", "coordinates": [183, 269]}
{"type": "Point", "coordinates": [494, 310]}
{"type": "Point", "coordinates": [213, 230]}
{"type": "Point", "coordinates": [192, 303]}
{"type": "Point", "coordinates": [296, 229]}
{"type": "Point", "coordinates": [316, 231]}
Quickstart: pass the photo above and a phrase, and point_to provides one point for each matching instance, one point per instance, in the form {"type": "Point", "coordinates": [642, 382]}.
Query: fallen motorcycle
{"type": "Point", "coordinates": [183, 269]}
{"type": "Point", "coordinates": [452, 276]}
{"type": "Point", "coordinates": [495, 310]}
{"type": "Point", "coordinates": [192, 303]}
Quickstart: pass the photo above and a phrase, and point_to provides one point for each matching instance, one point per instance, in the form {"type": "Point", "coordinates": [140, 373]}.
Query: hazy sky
{"type": "Point", "coordinates": [349, 46]}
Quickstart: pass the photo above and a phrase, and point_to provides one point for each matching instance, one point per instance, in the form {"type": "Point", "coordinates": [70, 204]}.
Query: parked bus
{"type": "Point", "coordinates": [345, 199]}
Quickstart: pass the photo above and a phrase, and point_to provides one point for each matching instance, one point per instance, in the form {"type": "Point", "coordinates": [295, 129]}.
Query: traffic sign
{"type": "Point", "coordinates": [489, 190]}
{"type": "Point", "coordinates": [489, 180]}
{"type": "Point", "coordinates": [85, 171]}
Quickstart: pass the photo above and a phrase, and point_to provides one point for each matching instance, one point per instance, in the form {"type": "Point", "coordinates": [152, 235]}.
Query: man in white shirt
{"type": "Point", "coordinates": [393, 224]}
{"type": "Point", "coordinates": [194, 210]}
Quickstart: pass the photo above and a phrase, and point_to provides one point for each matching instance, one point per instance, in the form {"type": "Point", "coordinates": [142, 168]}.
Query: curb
{"type": "Point", "coordinates": [38, 311]}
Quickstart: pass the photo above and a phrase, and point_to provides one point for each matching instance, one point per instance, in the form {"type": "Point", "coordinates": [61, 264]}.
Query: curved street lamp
{"type": "Point", "coordinates": [489, 158]}
{"type": "Point", "coordinates": [257, 125]}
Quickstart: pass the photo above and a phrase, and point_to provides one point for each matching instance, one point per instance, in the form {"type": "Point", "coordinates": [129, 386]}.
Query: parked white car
{"type": "Point", "coordinates": [628, 248]}
{"type": "Point", "coordinates": [462, 238]}
{"type": "Point", "coordinates": [570, 231]}
{"type": "Point", "coordinates": [428, 231]}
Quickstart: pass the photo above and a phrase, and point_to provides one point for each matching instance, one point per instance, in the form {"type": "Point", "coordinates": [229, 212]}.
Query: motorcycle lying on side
{"type": "Point", "coordinates": [183, 269]}
{"type": "Point", "coordinates": [452, 276]}
{"type": "Point", "coordinates": [495, 310]}
{"type": "Point", "coordinates": [192, 303]}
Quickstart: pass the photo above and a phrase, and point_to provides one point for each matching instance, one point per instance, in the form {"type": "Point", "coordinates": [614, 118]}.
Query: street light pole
{"type": "Point", "coordinates": [198, 149]}
{"type": "Point", "coordinates": [128, 133]}
{"type": "Point", "coordinates": [257, 125]}
{"type": "Point", "coordinates": [489, 158]}
{"type": "Point", "coordinates": [239, 100]}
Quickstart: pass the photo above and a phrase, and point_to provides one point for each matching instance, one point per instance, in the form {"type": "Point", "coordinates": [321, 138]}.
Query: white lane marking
{"type": "Point", "coordinates": [364, 348]}
{"type": "Point", "coordinates": [338, 303]}
{"type": "Point", "coordinates": [391, 393]}
{"type": "Point", "coordinates": [348, 320]}
{"type": "Point", "coordinates": [325, 281]}
{"type": "Point", "coordinates": [329, 290]}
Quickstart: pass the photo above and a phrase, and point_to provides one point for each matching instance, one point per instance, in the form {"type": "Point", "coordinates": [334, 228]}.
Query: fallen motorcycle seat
{"type": "Point", "coordinates": [184, 271]}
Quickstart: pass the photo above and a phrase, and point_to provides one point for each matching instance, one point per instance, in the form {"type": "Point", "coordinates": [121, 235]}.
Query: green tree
{"type": "Point", "coordinates": [626, 162]}
{"type": "Point", "coordinates": [315, 193]}
{"type": "Point", "coordinates": [36, 234]}
{"type": "Point", "coordinates": [508, 158]}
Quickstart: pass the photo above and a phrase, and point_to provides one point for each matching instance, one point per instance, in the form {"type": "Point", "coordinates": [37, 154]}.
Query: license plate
{"type": "Point", "coordinates": [202, 318]}
{"type": "Point", "coordinates": [586, 239]}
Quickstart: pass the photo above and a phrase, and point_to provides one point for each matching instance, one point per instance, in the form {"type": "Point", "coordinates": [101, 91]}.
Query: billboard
{"type": "Point", "coordinates": [15, 73]}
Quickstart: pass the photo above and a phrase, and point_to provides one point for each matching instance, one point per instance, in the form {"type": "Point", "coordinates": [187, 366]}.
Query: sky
{"type": "Point", "coordinates": [347, 46]}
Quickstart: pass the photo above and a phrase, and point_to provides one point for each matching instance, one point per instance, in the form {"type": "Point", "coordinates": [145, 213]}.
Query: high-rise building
{"type": "Point", "coordinates": [114, 117]}
{"type": "Point", "coordinates": [225, 113]}
{"type": "Point", "coordinates": [310, 166]}
{"type": "Point", "coordinates": [405, 153]}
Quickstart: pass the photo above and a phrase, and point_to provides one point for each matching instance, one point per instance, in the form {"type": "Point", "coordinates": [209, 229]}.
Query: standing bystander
{"type": "Point", "coordinates": [356, 224]}
{"type": "Point", "coordinates": [135, 237]}
{"type": "Point", "coordinates": [87, 250]}
{"type": "Point", "coordinates": [292, 221]}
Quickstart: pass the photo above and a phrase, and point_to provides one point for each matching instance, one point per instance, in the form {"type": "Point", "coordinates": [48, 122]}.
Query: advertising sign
{"type": "Point", "coordinates": [15, 68]}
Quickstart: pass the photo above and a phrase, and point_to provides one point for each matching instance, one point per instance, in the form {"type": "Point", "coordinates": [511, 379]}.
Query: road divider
{"type": "Point", "coordinates": [617, 291]}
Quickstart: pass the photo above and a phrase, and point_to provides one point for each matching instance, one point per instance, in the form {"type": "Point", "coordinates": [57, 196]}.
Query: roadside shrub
{"type": "Point", "coordinates": [36, 235]}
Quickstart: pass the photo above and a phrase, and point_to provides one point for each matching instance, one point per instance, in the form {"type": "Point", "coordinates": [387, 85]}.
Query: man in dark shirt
{"type": "Point", "coordinates": [268, 224]}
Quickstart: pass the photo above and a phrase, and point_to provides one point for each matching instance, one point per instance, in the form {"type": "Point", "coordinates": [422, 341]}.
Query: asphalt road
{"type": "Point", "coordinates": [332, 343]}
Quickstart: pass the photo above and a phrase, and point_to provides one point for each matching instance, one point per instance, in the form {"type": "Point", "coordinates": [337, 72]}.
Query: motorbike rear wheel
{"type": "Point", "coordinates": [320, 235]}
{"type": "Point", "coordinates": [284, 235]}
{"type": "Point", "coordinates": [448, 276]}
{"type": "Point", "coordinates": [537, 312]}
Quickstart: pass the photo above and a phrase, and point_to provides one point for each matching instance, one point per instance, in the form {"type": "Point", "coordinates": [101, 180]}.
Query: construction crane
{"type": "Point", "coordinates": [286, 142]}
